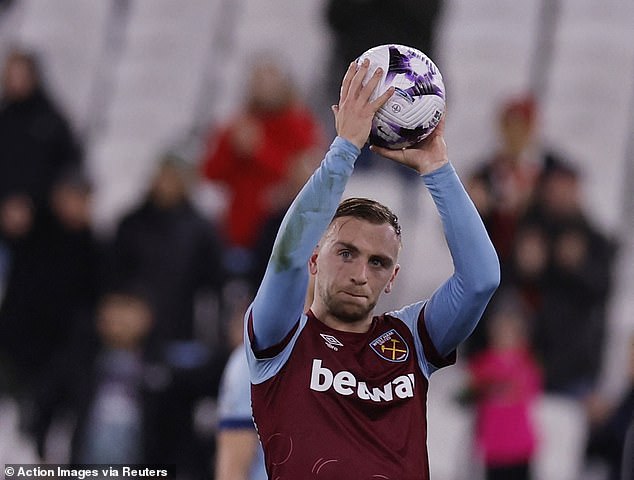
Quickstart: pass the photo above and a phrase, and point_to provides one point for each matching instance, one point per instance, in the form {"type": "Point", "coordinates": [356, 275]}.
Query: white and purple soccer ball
{"type": "Point", "coordinates": [418, 103]}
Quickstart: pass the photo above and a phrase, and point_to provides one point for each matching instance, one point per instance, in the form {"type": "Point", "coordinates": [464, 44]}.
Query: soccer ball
{"type": "Point", "coordinates": [418, 102]}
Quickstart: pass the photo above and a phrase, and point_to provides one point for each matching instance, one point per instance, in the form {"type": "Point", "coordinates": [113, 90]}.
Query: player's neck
{"type": "Point", "coordinates": [343, 325]}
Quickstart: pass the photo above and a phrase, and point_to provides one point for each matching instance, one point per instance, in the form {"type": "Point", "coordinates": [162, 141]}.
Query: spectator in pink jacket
{"type": "Point", "coordinates": [505, 380]}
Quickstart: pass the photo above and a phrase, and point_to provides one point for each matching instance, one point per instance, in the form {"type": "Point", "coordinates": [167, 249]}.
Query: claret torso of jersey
{"type": "Point", "coordinates": [337, 402]}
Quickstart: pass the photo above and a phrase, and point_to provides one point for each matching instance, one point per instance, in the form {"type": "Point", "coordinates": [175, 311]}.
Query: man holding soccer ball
{"type": "Point", "coordinates": [337, 391]}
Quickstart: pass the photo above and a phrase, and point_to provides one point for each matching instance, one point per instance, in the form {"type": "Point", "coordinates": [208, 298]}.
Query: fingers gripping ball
{"type": "Point", "coordinates": [418, 103]}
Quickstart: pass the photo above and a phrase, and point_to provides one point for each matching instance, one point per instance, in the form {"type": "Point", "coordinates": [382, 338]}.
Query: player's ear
{"type": "Point", "coordinates": [390, 284]}
{"type": "Point", "coordinates": [312, 261]}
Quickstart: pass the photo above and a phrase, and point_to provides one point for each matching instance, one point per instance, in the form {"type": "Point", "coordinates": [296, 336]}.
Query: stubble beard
{"type": "Point", "coordinates": [346, 312]}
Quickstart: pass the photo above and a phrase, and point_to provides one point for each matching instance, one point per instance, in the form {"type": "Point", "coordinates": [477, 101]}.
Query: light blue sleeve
{"type": "Point", "coordinates": [279, 302]}
{"type": "Point", "coordinates": [454, 309]}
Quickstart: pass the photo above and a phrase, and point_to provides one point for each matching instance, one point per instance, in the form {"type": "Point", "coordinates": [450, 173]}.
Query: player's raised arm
{"type": "Point", "coordinates": [279, 301]}
{"type": "Point", "coordinates": [455, 308]}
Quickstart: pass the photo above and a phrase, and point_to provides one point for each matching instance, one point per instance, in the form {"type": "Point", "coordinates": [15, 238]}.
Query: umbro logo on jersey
{"type": "Point", "coordinates": [391, 347]}
{"type": "Point", "coordinates": [331, 342]}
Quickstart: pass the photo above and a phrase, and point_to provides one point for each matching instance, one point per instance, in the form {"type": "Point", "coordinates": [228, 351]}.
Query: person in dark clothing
{"type": "Point", "coordinates": [36, 147]}
{"type": "Point", "coordinates": [101, 379]}
{"type": "Point", "coordinates": [167, 246]}
{"type": "Point", "coordinates": [36, 144]}
{"type": "Point", "coordinates": [118, 393]}
{"type": "Point", "coordinates": [53, 279]}
{"type": "Point", "coordinates": [575, 286]}
{"type": "Point", "coordinates": [504, 183]}
{"type": "Point", "coordinates": [504, 187]}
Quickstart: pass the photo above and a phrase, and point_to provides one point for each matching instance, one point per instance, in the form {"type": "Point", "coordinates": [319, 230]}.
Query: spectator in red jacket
{"type": "Point", "coordinates": [252, 153]}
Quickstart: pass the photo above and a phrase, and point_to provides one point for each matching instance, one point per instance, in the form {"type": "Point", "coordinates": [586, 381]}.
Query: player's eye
{"type": "Point", "coordinates": [345, 254]}
{"type": "Point", "coordinates": [376, 262]}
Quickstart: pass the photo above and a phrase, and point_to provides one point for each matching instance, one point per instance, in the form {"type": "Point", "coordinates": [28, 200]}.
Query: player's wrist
{"type": "Point", "coordinates": [440, 174]}
{"type": "Point", "coordinates": [347, 144]}
{"type": "Point", "coordinates": [431, 167]}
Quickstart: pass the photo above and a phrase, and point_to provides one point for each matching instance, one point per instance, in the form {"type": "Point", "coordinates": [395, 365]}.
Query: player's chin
{"type": "Point", "coordinates": [353, 310]}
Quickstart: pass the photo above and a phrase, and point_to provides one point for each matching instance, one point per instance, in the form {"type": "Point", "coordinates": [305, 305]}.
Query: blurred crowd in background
{"type": "Point", "coordinates": [125, 269]}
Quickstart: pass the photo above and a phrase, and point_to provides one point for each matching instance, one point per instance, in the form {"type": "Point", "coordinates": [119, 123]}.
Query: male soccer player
{"type": "Point", "coordinates": [337, 392]}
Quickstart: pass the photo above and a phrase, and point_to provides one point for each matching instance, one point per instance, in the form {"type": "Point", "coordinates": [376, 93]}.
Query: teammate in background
{"type": "Point", "coordinates": [336, 391]}
{"type": "Point", "coordinates": [239, 455]}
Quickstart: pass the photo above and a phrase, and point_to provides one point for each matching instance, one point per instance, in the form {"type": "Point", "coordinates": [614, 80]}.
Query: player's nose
{"type": "Point", "coordinates": [359, 273]}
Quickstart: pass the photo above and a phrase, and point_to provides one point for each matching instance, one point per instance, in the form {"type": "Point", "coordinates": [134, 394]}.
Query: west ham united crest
{"type": "Point", "coordinates": [391, 347]}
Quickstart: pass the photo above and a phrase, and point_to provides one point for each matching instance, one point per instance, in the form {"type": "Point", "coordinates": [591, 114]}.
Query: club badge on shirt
{"type": "Point", "coordinates": [390, 346]}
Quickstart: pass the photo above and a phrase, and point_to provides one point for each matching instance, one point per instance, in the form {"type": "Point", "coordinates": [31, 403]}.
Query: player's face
{"type": "Point", "coordinates": [354, 264]}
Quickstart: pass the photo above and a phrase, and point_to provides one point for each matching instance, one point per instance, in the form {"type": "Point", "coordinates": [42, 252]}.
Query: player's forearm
{"type": "Point", "coordinates": [313, 209]}
{"type": "Point", "coordinates": [236, 450]}
{"type": "Point", "coordinates": [283, 288]}
{"type": "Point", "coordinates": [455, 308]}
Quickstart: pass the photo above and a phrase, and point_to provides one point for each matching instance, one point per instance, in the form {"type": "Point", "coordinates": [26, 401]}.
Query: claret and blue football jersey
{"type": "Point", "coordinates": [336, 405]}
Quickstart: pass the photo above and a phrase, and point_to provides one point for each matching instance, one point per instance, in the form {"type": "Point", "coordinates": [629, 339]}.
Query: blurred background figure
{"type": "Point", "coordinates": [530, 200]}
{"type": "Point", "coordinates": [36, 142]}
{"type": "Point", "coordinates": [609, 424]}
{"type": "Point", "coordinates": [53, 280]}
{"type": "Point", "coordinates": [575, 287]}
{"type": "Point", "coordinates": [101, 383]}
{"type": "Point", "coordinates": [167, 246]}
{"type": "Point", "coordinates": [253, 154]}
{"type": "Point", "coordinates": [562, 267]}
{"type": "Point", "coordinates": [505, 382]}
{"type": "Point", "coordinates": [576, 282]}
{"type": "Point", "coordinates": [36, 145]}
{"type": "Point", "coordinates": [503, 184]}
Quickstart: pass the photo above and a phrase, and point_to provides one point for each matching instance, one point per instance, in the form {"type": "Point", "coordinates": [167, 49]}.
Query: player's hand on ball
{"type": "Point", "coordinates": [424, 157]}
{"type": "Point", "coordinates": [354, 113]}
